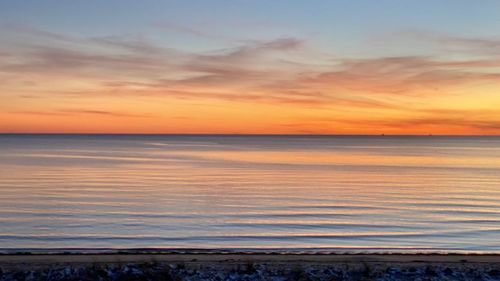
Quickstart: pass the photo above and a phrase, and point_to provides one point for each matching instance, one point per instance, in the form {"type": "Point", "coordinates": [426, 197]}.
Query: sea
{"type": "Point", "coordinates": [250, 193]}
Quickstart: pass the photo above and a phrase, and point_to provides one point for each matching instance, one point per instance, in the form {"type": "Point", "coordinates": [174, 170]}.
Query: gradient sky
{"type": "Point", "coordinates": [254, 66]}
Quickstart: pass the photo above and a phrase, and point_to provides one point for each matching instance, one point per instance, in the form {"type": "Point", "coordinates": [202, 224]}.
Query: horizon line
{"type": "Point", "coordinates": [249, 134]}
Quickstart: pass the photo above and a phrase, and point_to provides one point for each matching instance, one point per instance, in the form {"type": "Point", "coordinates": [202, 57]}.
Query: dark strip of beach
{"type": "Point", "coordinates": [248, 266]}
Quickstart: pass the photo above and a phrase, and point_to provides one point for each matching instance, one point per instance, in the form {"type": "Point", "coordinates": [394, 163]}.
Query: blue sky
{"type": "Point", "coordinates": [342, 26]}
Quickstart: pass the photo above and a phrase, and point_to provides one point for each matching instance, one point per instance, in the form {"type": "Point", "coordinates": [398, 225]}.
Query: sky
{"type": "Point", "coordinates": [250, 67]}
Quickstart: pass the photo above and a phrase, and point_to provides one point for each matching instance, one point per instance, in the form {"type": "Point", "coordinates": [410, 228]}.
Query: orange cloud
{"type": "Point", "coordinates": [104, 79]}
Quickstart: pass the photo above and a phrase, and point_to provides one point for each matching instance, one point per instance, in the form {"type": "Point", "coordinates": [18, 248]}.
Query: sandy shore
{"type": "Point", "coordinates": [230, 259]}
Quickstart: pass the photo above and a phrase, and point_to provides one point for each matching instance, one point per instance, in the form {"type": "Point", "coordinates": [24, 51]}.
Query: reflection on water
{"type": "Point", "coordinates": [372, 193]}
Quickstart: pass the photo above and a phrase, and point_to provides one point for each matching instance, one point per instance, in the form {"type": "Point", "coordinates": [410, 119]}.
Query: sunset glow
{"type": "Point", "coordinates": [250, 67]}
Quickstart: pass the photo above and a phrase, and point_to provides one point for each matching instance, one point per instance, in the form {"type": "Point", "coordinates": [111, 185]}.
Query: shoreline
{"type": "Point", "coordinates": [245, 251]}
{"type": "Point", "coordinates": [248, 266]}
{"type": "Point", "coordinates": [47, 258]}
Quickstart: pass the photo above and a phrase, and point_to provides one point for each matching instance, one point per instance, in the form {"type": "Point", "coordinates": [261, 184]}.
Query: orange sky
{"type": "Point", "coordinates": [390, 96]}
{"type": "Point", "coordinates": [403, 82]}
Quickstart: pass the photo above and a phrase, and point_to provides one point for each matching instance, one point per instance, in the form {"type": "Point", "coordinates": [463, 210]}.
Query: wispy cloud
{"type": "Point", "coordinates": [250, 50]}
{"type": "Point", "coordinates": [24, 29]}
{"type": "Point", "coordinates": [483, 46]}
{"type": "Point", "coordinates": [254, 64]}
{"type": "Point", "coordinates": [74, 112]}
{"type": "Point", "coordinates": [248, 72]}
{"type": "Point", "coordinates": [170, 26]}
{"type": "Point", "coordinates": [402, 75]}
{"type": "Point", "coordinates": [426, 121]}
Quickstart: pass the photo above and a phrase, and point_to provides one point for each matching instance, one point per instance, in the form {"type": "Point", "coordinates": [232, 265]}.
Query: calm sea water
{"type": "Point", "coordinates": [336, 193]}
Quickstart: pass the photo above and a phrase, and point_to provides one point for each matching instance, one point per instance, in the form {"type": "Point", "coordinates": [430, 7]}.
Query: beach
{"type": "Point", "coordinates": [249, 208]}
{"type": "Point", "coordinates": [249, 140]}
{"type": "Point", "coordinates": [249, 266]}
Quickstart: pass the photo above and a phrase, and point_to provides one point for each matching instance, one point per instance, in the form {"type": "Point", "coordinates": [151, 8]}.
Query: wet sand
{"type": "Point", "coordinates": [230, 259]}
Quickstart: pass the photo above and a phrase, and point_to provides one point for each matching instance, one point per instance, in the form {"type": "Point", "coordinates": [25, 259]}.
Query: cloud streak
{"type": "Point", "coordinates": [469, 45]}
{"type": "Point", "coordinates": [249, 72]}
{"type": "Point", "coordinates": [403, 75]}
{"type": "Point", "coordinates": [75, 112]}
